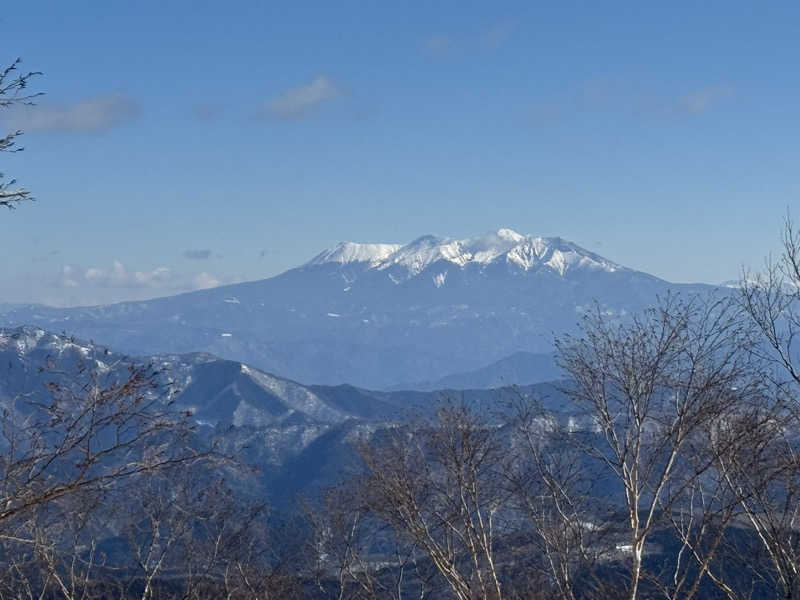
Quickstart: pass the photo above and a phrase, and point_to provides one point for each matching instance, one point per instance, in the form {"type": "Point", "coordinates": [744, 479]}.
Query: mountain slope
{"type": "Point", "coordinates": [377, 315]}
{"type": "Point", "coordinates": [214, 390]}
{"type": "Point", "coordinates": [520, 368]}
{"type": "Point", "coordinates": [297, 436]}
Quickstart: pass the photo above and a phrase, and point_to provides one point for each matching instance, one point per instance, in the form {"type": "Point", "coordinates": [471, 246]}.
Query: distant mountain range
{"type": "Point", "coordinates": [521, 368]}
{"type": "Point", "coordinates": [297, 436]}
{"type": "Point", "coordinates": [382, 315]}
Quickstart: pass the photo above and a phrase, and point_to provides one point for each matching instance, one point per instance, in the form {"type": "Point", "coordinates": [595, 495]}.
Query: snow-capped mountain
{"type": "Point", "coordinates": [349, 252]}
{"type": "Point", "coordinates": [501, 246]}
{"type": "Point", "coordinates": [377, 315]}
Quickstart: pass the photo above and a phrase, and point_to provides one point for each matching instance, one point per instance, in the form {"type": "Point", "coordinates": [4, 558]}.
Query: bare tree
{"type": "Point", "coordinates": [164, 534]}
{"type": "Point", "coordinates": [766, 475]}
{"type": "Point", "coordinates": [160, 516]}
{"type": "Point", "coordinates": [14, 91]}
{"type": "Point", "coordinates": [553, 489]}
{"type": "Point", "coordinates": [358, 557]}
{"type": "Point", "coordinates": [195, 537]}
{"type": "Point", "coordinates": [438, 485]}
{"type": "Point", "coordinates": [706, 518]}
{"type": "Point", "coordinates": [64, 450]}
{"type": "Point", "coordinates": [87, 435]}
{"type": "Point", "coordinates": [760, 472]}
{"type": "Point", "coordinates": [52, 551]}
{"type": "Point", "coordinates": [651, 387]}
{"type": "Point", "coordinates": [771, 298]}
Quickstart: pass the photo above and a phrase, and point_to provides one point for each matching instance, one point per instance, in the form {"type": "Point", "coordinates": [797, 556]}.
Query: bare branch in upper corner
{"type": "Point", "coordinates": [14, 92]}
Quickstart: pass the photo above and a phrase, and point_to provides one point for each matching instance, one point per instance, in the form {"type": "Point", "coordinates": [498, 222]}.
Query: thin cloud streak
{"type": "Point", "coordinates": [120, 276]}
{"type": "Point", "coordinates": [626, 99]}
{"type": "Point", "coordinates": [299, 101]}
{"type": "Point", "coordinates": [87, 116]}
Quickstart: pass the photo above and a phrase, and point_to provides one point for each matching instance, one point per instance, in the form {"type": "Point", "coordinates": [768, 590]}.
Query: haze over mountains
{"type": "Point", "coordinates": [380, 315]}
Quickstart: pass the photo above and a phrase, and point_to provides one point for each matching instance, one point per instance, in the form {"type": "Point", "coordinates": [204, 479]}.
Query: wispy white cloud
{"type": "Point", "coordinates": [87, 116]}
{"type": "Point", "coordinates": [301, 100]}
{"type": "Point", "coordinates": [69, 277]}
{"type": "Point", "coordinates": [204, 281]}
{"type": "Point", "coordinates": [119, 276]}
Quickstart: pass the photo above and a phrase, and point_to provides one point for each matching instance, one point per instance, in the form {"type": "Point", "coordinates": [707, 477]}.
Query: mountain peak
{"type": "Point", "coordinates": [509, 234]}
{"type": "Point", "coordinates": [504, 244]}
{"type": "Point", "coordinates": [399, 313]}
{"type": "Point", "coordinates": [347, 252]}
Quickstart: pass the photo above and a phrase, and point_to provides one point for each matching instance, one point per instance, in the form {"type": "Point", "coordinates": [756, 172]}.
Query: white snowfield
{"type": "Point", "coordinates": [347, 252]}
{"type": "Point", "coordinates": [504, 245]}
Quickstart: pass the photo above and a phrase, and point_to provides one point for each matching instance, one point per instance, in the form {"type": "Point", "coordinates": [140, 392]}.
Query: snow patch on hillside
{"type": "Point", "coordinates": [349, 252]}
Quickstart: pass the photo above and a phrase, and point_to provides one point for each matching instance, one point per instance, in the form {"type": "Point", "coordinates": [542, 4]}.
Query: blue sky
{"type": "Point", "coordinates": [181, 144]}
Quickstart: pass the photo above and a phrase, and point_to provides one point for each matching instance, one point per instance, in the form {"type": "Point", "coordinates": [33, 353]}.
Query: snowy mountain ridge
{"type": "Point", "coordinates": [349, 252]}
{"type": "Point", "coordinates": [210, 388]}
{"type": "Point", "coordinates": [503, 245]}
{"type": "Point", "coordinates": [297, 437]}
{"type": "Point", "coordinates": [379, 315]}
